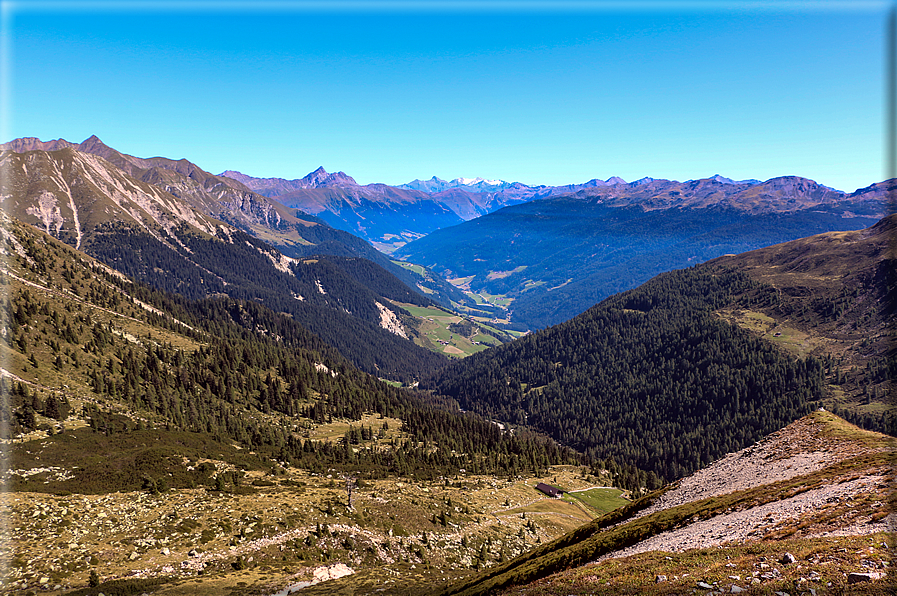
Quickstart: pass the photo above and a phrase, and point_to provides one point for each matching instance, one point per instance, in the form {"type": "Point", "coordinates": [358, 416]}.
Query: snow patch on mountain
{"type": "Point", "coordinates": [477, 185]}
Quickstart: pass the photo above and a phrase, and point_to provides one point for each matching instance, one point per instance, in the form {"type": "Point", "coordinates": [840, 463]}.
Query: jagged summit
{"type": "Point", "coordinates": [320, 178]}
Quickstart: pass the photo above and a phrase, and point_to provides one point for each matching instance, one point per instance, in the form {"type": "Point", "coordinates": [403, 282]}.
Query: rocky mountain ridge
{"type": "Point", "coordinates": [220, 197]}
{"type": "Point", "coordinates": [145, 232]}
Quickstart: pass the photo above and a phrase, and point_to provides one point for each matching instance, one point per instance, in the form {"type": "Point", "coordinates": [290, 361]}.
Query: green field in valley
{"type": "Point", "coordinates": [411, 267]}
{"type": "Point", "coordinates": [436, 334]}
{"type": "Point", "coordinates": [602, 500]}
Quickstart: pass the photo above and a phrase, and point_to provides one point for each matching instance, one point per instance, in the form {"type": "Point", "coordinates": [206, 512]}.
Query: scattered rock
{"type": "Point", "coordinates": [165, 551]}
{"type": "Point", "coordinates": [134, 556]}
{"type": "Point", "coordinates": [704, 586]}
{"type": "Point", "coordinates": [736, 590]}
{"type": "Point", "coordinates": [332, 572]}
{"type": "Point", "coordinates": [787, 559]}
{"type": "Point", "coordinates": [857, 578]}
{"type": "Point", "coordinates": [193, 553]}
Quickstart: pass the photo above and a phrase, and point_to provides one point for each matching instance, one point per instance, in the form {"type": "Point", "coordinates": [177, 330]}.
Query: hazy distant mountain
{"type": "Point", "coordinates": [556, 256]}
{"type": "Point", "coordinates": [778, 195]}
{"type": "Point", "coordinates": [277, 186]}
{"type": "Point", "coordinates": [391, 216]}
{"type": "Point", "coordinates": [724, 180]}
{"type": "Point", "coordinates": [386, 216]}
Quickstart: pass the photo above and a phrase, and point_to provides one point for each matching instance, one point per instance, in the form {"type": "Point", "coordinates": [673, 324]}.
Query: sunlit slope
{"type": "Point", "coordinates": [818, 477]}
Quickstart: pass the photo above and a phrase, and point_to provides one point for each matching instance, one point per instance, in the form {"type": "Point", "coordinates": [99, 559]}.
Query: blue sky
{"type": "Point", "coordinates": [389, 92]}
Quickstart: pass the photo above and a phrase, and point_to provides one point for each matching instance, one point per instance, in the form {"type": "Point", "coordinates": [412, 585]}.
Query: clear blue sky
{"type": "Point", "coordinates": [389, 92]}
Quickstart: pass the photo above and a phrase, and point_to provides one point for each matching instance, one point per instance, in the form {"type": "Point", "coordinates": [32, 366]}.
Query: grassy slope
{"type": "Point", "coordinates": [835, 301]}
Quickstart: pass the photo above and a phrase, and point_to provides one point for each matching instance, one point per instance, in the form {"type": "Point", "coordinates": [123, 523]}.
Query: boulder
{"type": "Point", "coordinates": [866, 576]}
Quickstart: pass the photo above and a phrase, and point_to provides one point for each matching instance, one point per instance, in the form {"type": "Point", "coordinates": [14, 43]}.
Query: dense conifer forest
{"type": "Point", "coordinates": [334, 298]}
{"type": "Point", "coordinates": [650, 377]}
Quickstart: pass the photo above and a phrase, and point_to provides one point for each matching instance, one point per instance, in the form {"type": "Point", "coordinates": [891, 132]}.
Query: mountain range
{"type": "Point", "coordinates": [391, 216]}
{"type": "Point", "coordinates": [538, 256]}
{"type": "Point", "coordinates": [549, 259]}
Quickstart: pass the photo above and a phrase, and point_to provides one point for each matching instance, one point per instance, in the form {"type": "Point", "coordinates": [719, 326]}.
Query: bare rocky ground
{"type": "Point", "coordinates": [799, 449]}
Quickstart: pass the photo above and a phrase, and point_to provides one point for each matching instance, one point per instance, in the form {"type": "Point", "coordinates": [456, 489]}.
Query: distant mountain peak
{"type": "Point", "coordinates": [320, 178]}
{"type": "Point", "coordinates": [599, 182]}
{"type": "Point", "coordinates": [235, 175]}
{"type": "Point", "coordinates": [723, 180]}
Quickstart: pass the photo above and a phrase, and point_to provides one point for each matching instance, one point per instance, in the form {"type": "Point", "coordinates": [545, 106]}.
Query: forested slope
{"type": "Point", "coordinates": [315, 292]}
{"type": "Point", "coordinates": [650, 376]}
